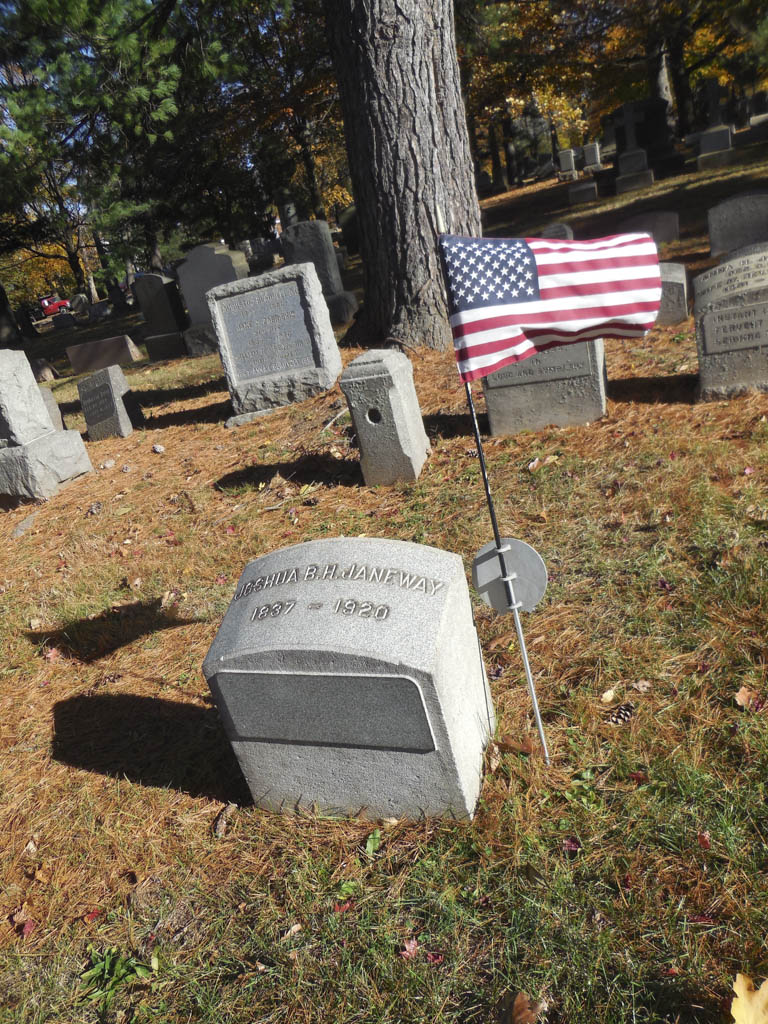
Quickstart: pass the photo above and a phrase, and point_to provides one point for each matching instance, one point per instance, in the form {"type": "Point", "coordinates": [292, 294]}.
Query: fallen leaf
{"type": "Point", "coordinates": [221, 822]}
{"type": "Point", "coordinates": [522, 1011]}
{"type": "Point", "coordinates": [509, 746]}
{"type": "Point", "coordinates": [748, 470]}
{"type": "Point", "coordinates": [608, 696]}
{"type": "Point", "coordinates": [293, 930]}
{"type": "Point", "coordinates": [27, 928]}
{"type": "Point", "coordinates": [750, 1005]}
{"type": "Point", "coordinates": [230, 530]}
{"type": "Point", "coordinates": [534, 465]}
{"type": "Point", "coordinates": [435, 958]}
{"type": "Point", "coordinates": [342, 908]}
{"type": "Point", "coordinates": [571, 844]}
{"type": "Point", "coordinates": [642, 686]}
{"type": "Point", "coordinates": [52, 654]}
{"type": "Point", "coordinates": [221, 579]}
{"type": "Point", "coordinates": [35, 624]}
{"type": "Point", "coordinates": [639, 777]}
{"type": "Point", "coordinates": [410, 950]}
{"type": "Point", "coordinates": [92, 915]}
{"type": "Point", "coordinates": [494, 758]}
{"type": "Point", "coordinates": [30, 849]}
{"type": "Point", "coordinates": [748, 699]}
{"type": "Point", "coordinates": [705, 840]}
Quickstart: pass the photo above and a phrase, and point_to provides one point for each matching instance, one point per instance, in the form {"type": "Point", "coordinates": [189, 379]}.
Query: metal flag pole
{"type": "Point", "coordinates": [507, 578]}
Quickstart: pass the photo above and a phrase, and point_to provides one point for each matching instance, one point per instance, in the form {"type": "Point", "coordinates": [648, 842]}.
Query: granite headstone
{"type": "Point", "coordinates": [96, 355]}
{"type": "Point", "coordinates": [109, 406]}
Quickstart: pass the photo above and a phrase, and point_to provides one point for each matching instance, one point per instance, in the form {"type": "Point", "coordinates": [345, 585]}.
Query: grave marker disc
{"type": "Point", "coordinates": [522, 560]}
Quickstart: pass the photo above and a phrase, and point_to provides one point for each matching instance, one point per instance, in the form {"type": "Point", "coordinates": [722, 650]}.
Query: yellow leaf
{"type": "Point", "coordinates": [750, 1005]}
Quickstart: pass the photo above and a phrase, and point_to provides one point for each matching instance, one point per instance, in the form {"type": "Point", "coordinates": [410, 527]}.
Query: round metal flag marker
{"type": "Point", "coordinates": [522, 561]}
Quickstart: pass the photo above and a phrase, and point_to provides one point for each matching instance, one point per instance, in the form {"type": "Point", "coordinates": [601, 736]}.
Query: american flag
{"type": "Point", "coordinates": [510, 298]}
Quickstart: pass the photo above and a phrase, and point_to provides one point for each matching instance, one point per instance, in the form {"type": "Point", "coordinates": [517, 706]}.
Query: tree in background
{"type": "Point", "coordinates": [408, 156]}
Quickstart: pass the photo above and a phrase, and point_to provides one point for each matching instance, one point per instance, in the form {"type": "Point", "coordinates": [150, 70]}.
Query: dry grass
{"type": "Point", "coordinates": [626, 883]}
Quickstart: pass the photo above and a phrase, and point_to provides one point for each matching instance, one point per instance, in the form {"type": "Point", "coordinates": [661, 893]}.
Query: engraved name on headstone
{"type": "Point", "coordinates": [729, 330]}
{"type": "Point", "coordinates": [348, 675]}
{"type": "Point", "coordinates": [109, 407]}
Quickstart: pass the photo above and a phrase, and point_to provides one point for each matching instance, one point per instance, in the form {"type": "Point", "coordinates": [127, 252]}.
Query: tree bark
{"type": "Point", "coordinates": [76, 266]}
{"type": "Point", "coordinates": [409, 158]}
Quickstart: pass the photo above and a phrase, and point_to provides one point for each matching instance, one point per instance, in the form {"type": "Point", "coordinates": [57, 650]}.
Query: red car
{"type": "Point", "coordinates": [52, 304]}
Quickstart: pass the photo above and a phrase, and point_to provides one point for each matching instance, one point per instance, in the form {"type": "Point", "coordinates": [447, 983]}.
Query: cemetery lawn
{"type": "Point", "coordinates": [625, 883]}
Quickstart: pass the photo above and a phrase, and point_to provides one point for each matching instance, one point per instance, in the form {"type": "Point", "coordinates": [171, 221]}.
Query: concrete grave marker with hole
{"type": "Point", "coordinates": [349, 678]}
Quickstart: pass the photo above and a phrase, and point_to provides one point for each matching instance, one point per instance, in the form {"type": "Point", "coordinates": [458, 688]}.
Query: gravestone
{"type": "Point", "coordinates": [673, 308]}
{"type": "Point", "coordinates": [592, 156]}
{"type": "Point", "coordinates": [160, 303]}
{"type": "Point", "coordinates": [205, 267]}
{"type": "Point", "coordinates": [348, 676]}
{"type": "Point", "coordinates": [96, 355]}
{"type": "Point", "coordinates": [561, 386]}
{"type": "Point", "coordinates": [310, 242]}
{"type": "Point", "coordinates": [633, 160]}
{"type": "Point", "coordinates": [557, 230]}
{"type": "Point", "coordinates": [63, 321]}
{"type": "Point", "coordinates": [731, 312]}
{"type": "Point", "coordinates": [715, 143]}
{"type": "Point", "coordinates": [378, 387]}
{"type": "Point", "coordinates": [35, 458]}
{"type": "Point", "coordinates": [582, 192]}
{"type": "Point", "coordinates": [98, 311]}
{"type": "Point", "coordinates": [275, 339]}
{"type": "Point", "coordinates": [109, 406]}
{"type": "Point", "coordinates": [661, 225]}
{"type": "Point", "coordinates": [737, 222]}
{"type": "Point", "coordinates": [200, 340]}
{"type": "Point", "coordinates": [567, 161]}
{"type": "Point", "coordinates": [263, 255]}
{"type": "Point", "coordinates": [165, 346]}
{"type": "Point", "coordinates": [52, 408]}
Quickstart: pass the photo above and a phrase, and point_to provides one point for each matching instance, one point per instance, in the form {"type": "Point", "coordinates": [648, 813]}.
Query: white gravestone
{"type": "Point", "coordinates": [674, 294]}
{"type": "Point", "coordinates": [562, 386]}
{"type": "Point", "coordinates": [731, 312]}
{"type": "Point", "coordinates": [378, 387]}
{"type": "Point", "coordinates": [349, 677]}
{"type": "Point", "coordinates": [35, 458]}
{"type": "Point", "coordinates": [275, 339]}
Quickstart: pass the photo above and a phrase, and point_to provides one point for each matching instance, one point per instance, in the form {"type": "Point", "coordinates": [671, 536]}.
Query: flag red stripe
{"type": "Point", "coordinates": [528, 321]}
{"type": "Point", "coordinates": [597, 263]}
{"type": "Point", "coordinates": [599, 331]}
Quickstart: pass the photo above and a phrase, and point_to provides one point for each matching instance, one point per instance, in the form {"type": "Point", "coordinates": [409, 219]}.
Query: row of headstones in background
{"type": "Point", "coordinates": [35, 457]}
{"type": "Point", "coordinates": [109, 406]}
{"type": "Point", "coordinates": [383, 709]}
{"type": "Point", "coordinates": [310, 241]}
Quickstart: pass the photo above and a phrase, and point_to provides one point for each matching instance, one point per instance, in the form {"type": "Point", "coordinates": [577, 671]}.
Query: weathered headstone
{"type": "Point", "coordinates": [592, 156]}
{"type": "Point", "coordinates": [567, 161]}
{"type": "Point", "coordinates": [165, 346]}
{"type": "Point", "coordinates": [674, 294]}
{"type": "Point", "coordinates": [35, 458]}
{"type": "Point", "coordinates": [385, 412]}
{"type": "Point", "coordinates": [731, 311]}
{"type": "Point", "coordinates": [275, 339]}
{"type": "Point", "coordinates": [348, 675]}
{"type": "Point", "coordinates": [205, 267]}
{"type": "Point", "coordinates": [98, 310]}
{"type": "Point", "coordinates": [310, 242]}
{"type": "Point", "coordinates": [557, 229]}
{"type": "Point", "coordinates": [109, 406]}
{"type": "Point", "coordinates": [52, 407]}
{"type": "Point", "coordinates": [662, 225]}
{"type": "Point", "coordinates": [160, 303]}
{"type": "Point", "coordinates": [716, 142]}
{"type": "Point", "coordinates": [582, 192]}
{"type": "Point", "coordinates": [561, 387]}
{"type": "Point", "coordinates": [633, 161]}
{"type": "Point", "coordinates": [96, 355]}
{"type": "Point", "coordinates": [737, 222]}
{"type": "Point", "coordinates": [263, 255]}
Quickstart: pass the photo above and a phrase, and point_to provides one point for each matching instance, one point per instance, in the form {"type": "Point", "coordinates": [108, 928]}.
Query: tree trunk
{"type": "Point", "coordinates": [409, 158]}
{"type": "Point", "coordinates": [500, 183]}
{"type": "Point", "coordinates": [92, 293]}
{"type": "Point", "coordinates": [73, 259]}
{"type": "Point", "coordinates": [153, 249]}
{"type": "Point", "coordinates": [101, 250]}
{"type": "Point", "coordinates": [681, 86]}
{"type": "Point", "coordinates": [308, 160]}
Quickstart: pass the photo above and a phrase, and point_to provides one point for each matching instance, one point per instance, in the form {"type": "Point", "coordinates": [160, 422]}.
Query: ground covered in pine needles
{"type": "Point", "coordinates": [626, 883]}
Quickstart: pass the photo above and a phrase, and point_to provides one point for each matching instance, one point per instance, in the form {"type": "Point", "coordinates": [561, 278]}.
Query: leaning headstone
{"type": "Point", "coordinates": [160, 303]}
{"type": "Point", "coordinates": [731, 312]}
{"type": "Point", "coordinates": [385, 412]}
{"type": "Point", "coordinates": [165, 346]}
{"type": "Point", "coordinates": [348, 676]}
{"type": "Point", "coordinates": [661, 225]}
{"type": "Point", "coordinates": [109, 406]}
{"type": "Point", "coordinates": [557, 230]}
{"type": "Point", "coordinates": [96, 355]}
{"type": "Point", "coordinates": [310, 242]}
{"type": "Point", "coordinates": [205, 267]}
{"type": "Point", "coordinates": [674, 294]}
{"type": "Point", "coordinates": [35, 458]}
{"type": "Point", "coordinates": [52, 406]}
{"type": "Point", "coordinates": [560, 387]}
{"type": "Point", "coordinates": [582, 192]}
{"type": "Point", "coordinates": [275, 339]}
{"type": "Point", "coordinates": [737, 222]}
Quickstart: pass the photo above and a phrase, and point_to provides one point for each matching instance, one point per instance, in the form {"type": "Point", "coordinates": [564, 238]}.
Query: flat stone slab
{"type": "Point", "coordinates": [38, 469]}
{"type": "Point", "coordinates": [633, 182]}
{"type": "Point", "coordinates": [562, 387]}
{"type": "Point", "coordinates": [710, 161]}
{"type": "Point", "coordinates": [737, 222]}
{"type": "Point", "coordinates": [275, 338]}
{"type": "Point", "coordinates": [23, 414]}
{"type": "Point", "coordinates": [348, 675]}
{"type": "Point", "coordinates": [97, 355]}
{"type": "Point", "coordinates": [385, 412]}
